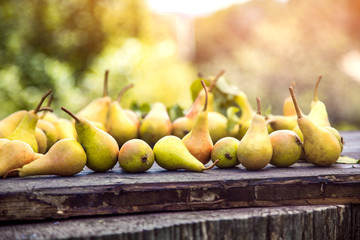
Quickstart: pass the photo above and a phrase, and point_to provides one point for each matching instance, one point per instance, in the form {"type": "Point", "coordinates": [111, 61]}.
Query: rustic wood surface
{"type": "Point", "coordinates": [298, 223]}
{"type": "Point", "coordinates": [116, 192]}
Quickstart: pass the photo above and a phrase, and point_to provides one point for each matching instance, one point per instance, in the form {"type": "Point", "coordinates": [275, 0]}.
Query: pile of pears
{"type": "Point", "coordinates": [103, 133]}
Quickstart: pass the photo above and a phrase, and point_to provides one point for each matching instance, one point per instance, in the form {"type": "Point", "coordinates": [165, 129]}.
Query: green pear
{"type": "Point", "coordinates": [318, 112]}
{"type": "Point", "coordinates": [15, 154]}
{"type": "Point", "coordinates": [321, 146]}
{"type": "Point", "coordinates": [217, 126]}
{"type": "Point", "coordinates": [97, 110]}
{"type": "Point", "coordinates": [287, 148]}
{"type": "Point", "coordinates": [182, 126]}
{"type": "Point", "coordinates": [100, 147]}
{"type": "Point", "coordinates": [156, 124]}
{"type": "Point", "coordinates": [198, 140]}
{"type": "Point", "coordinates": [49, 130]}
{"type": "Point", "coordinates": [280, 122]}
{"type": "Point", "coordinates": [8, 124]}
{"type": "Point", "coordinates": [136, 156]}
{"type": "Point", "coordinates": [119, 124]}
{"type": "Point", "coordinates": [25, 130]}
{"type": "Point", "coordinates": [171, 153]}
{"type": "Point", "coordinates": [225, 150]}
{"type": "Point", "coordinates": [255, 150]}
{"type": "Point", "coordinates": [247, 111]}
{"type": "Point", "coordinates": [65, 158]}
{"type": "Point", "coordinates": [41, 140]}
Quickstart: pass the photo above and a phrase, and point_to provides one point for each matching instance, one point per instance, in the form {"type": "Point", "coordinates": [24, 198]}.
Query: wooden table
{"type": "Point", "coordinates": [236, 191]}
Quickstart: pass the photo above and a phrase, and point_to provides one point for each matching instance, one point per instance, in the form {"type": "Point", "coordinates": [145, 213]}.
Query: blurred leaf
{"type": "Point", "coordinates": [267, 111]}
{"type": "Point", "coordinates": [196, 87]}
{"type": "Point", "coordinates": [233, 118]}
{"type": "Point", "coordinates": [175, 111]}
{"type": "Point", "coordinates": [140, 110]}
{"type": "Point", "coordinates": [347, 160]}
{"type": "Point", "coordinates": [225, 87]}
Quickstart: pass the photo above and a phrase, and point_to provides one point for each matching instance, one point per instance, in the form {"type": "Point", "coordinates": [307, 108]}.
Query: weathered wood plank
{"type": "Point", "coordinates": [116, 192]}
{"type": "Point", "coordinates": [299, 222]}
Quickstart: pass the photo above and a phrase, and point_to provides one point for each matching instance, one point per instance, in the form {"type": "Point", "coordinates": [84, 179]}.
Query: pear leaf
{"type": "Point", "coordinates": [140, 110]}
{"type": "Point", "coordinates": [175, 111]}
{"type": "Point", "coordinates": [225, 87]}
{"type": "Point", "coordinates": [196, 87]}
{"type": "Point", "coordinates": [347, 160]}
{"type": "Point", "coordinates": [233, 118]}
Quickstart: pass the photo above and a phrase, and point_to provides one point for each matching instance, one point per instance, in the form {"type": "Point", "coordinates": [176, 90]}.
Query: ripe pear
{"type": "Point", "coordinates": [100, 147]}
{"type": "Point", "coordinates": [25, 130]}
{"type": "Point", "coordinates": [41, 140]}
{"type": "Point", "coordinates": [97, 110]}
{"type": "Point", "coordinates": [318, 112]}
{"type": "Point", "coordinates": [136, 156]}
{"type": "Point", "coordinates": [280, 122]}
{"type": "Point", "coordinates": [65, 158]}
{"type": "Point", "coordinates": [288, 106]}
{"type": "Point", "coordinates": [247, 111]}
{"type": "Point", "coordinates": [119, 124]}
{"type": "Point", "coordinates": [15, 154]}
{"type": "Point", "coordinates": [225, 150]}
{"type": "Point", "coordinates": [198, 140]}
{"type": "Point", "coordinates": [171, 153]}
{"type": "Point", "coordinates": [65, 129]}
{"type": "Point", "coordinates": [182, 126]}
{"type": "Point", "coordinates": [321, 146]}
{"type": "Point", "coordinates": [156, 124]}
{"type": "Point", "coordinates": [337, 135]}
{"type": "Point", "coordinates": [255, 150]}
{"type": "Point", "coordinates": [287, 148]}
{"type": "Point", "coordinates": [49, 130]}
{"type": "Point", "coordinates": [8, 124]}
{"type": "Point", "coordinates": [217, 126]}
{"type": "Point", "coordinates": [133, 116]}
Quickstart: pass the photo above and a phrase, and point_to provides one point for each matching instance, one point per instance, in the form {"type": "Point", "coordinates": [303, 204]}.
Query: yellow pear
{"type": "Point", "coordinates": [41, 140]}
{"type": "Point", "coordinates": [65, 129]}
{"type": "Point", "coordinates": [8, 124]}
{"type": "Point", "coordinates": [288, 106]}
{"type": "Point", "coordinates": [318, 112]}
{"type": "Point", "coordinates": [255, 150]}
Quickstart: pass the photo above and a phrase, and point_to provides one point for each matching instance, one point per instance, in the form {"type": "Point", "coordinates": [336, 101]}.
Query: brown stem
{"type": "Point", "coordinates": [293, 83]}
{"type": "Point", "coordinates": [206, 95]}
{"type": "Point", "coordinates": [71, 114]}
{"type": "Point", "coordinates": [298, 111]}
{"type": "Point", "coordinates": [45, 109]}
{"type": "Point", "coordinates": [41, 101]}
{"type": "Point", "coordinates": [122, 91]}
{"type": "Point", "coordinates": [48, 105]}
{"type": "Point", "coordinates": [213, 83]}
{"type": "Point", "coordinates": [258, 106]}
{"type": "Point", "coordinates": [212, 165]}
{"type": "Point", "coordinates": [11, 171]}
{"type": "Point", "coordinates": [106, 91]}
{"type": "Point", "coordinates": [316, 89]}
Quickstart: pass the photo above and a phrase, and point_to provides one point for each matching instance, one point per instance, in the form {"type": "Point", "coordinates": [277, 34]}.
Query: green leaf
{"type": "Point", "coordinates": [347, 160]}
{"type": "Point", "coordinates": [140, 110]}
{"type": "Point", "coordinates": [196, 87]}
{"type": "Point", "coordinates": [175, 111]}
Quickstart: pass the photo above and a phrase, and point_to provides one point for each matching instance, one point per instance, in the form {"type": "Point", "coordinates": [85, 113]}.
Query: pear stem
{"type": "Point", "coordinates": [106, 92]}
{"type": "Point", "coordinates": [45, 109]}
{"type": "Point", "coordinates": [71, 114]}
{"type": "Point", "coordinates": [293, 83]}
{"type": "Point", "coordinates": [10, 171]}
{"type": "Point", "coordinates": [48, 105]}
{"type": "Point", "coordinates": [316, 89]}
{"type": "Point", "coordinates": [213, 83]}
{"type": "Point", "coordinates": [122, 91]}
{"type": "Point", "coordinates": [41, 101]}
{"type": "Point", "coordinates": [298, 112]}
{"type": "Point", "coordinates": [212, 165]}
{"type": "Point", "coordinates": [206, 95]}
{"type": "Point", "coordinates": [258, 106]}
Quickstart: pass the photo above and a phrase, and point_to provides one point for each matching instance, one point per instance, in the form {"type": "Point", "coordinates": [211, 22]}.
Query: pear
{"type": "Point", "coordinates": [337, 135]}
{"type": "Point", "coordinates": [280, 122]}
{"type": "Point", "coordinates": [255, 150]}
{"type": "Point", "coordinates": [25, 130]}
{"type": "Point", "coordinates": [119, 124]}
{"type": "Point", "coordinates": [183, 125]}
{"type": "Point", "coordinates": [133, 116]}
{"type": "Point", "coordinates": [217, 126]}
{"type": "Point", "coordinates": [321, 146]}
{"type": "Point", "coordinates": [15, 154]}
{"type": "Point", "coordinates": [287, 148]}
{"type": "Point", "coordinates": [225, 150]}
{"type": "Point", "coordinates": [8, 124]}
{"type": "Point", "coordinates": [198, 140]}
{"type": "Point", "coordinates": [136, 156]}
{"type": "Point", "coordinates": [288, 106]}
{"type": "Point", "coordinates": [100, 147]}
{"type": "Point", "coordinates": [97, 110]}
{"type": "Point", "coordinates": [64, 129]}
{"type": "Point", "coordinates": [65, 158]}
{"type": "Point", "coordinates": [247, 111]}
{"type": "Point", "coordinates": [41, 140]}
{"type": "Point", "coordinates": [156, 124]}
{"type": "Point", "coordinates": [49, 130]}
{"type": "Point", "coordinates": [318, 111]}
{"type": "Point", "coordinates": [3, 141]}
{"type": "Point", "coordinates": [171, 153]}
